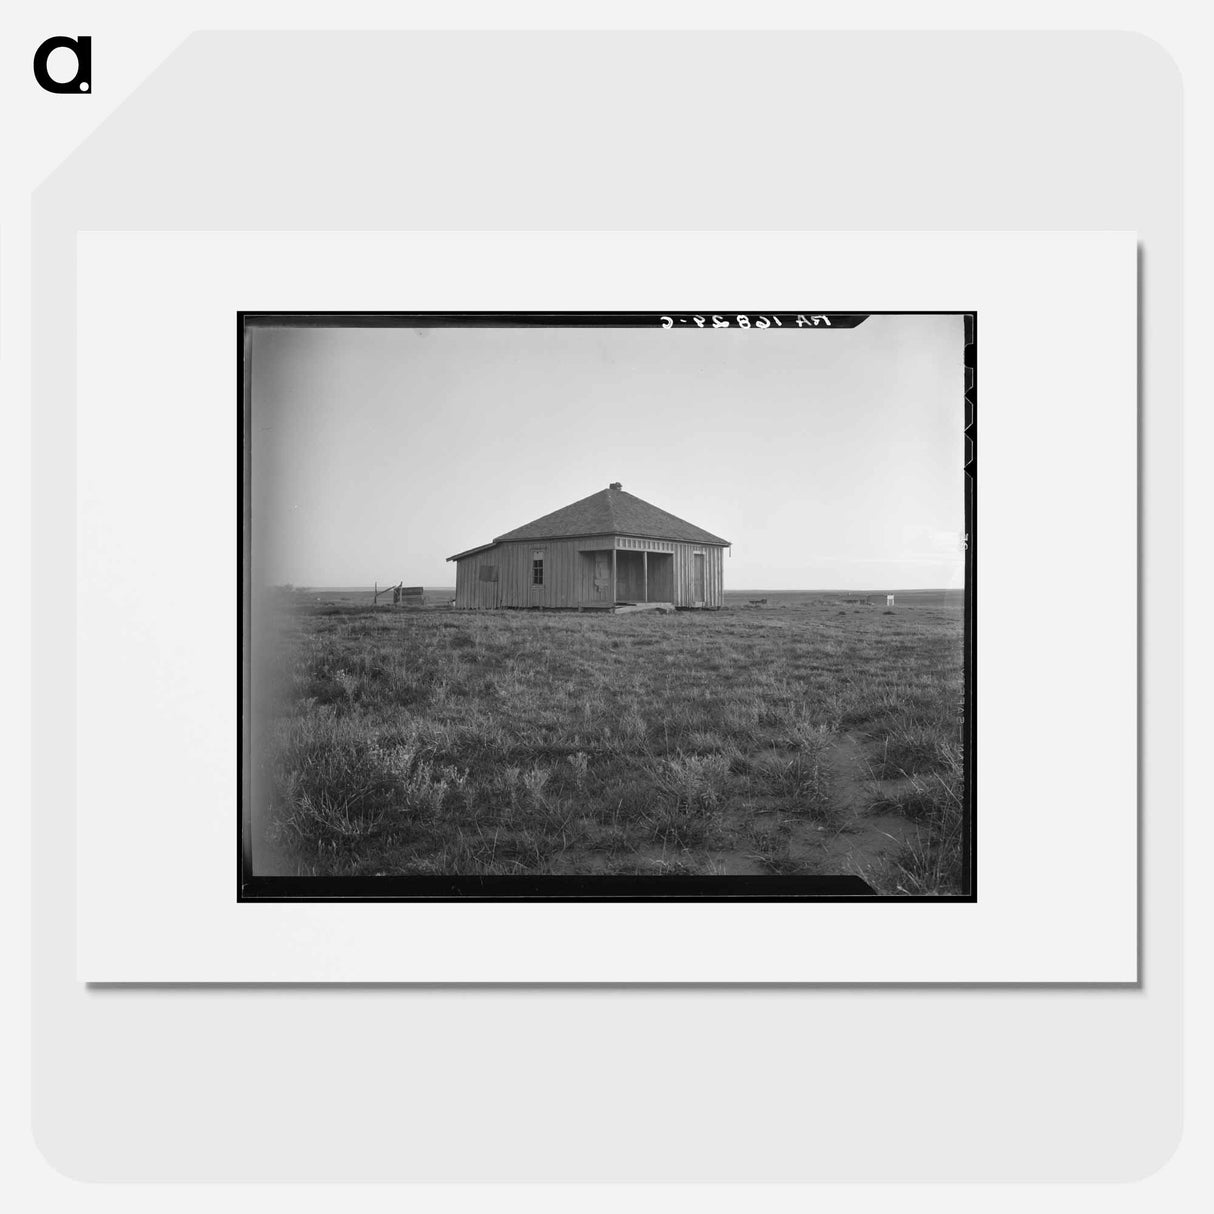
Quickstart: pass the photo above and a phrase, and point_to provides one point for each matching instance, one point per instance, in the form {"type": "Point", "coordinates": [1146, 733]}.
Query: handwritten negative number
{"type": "Point", "coordinates": [743, 321]}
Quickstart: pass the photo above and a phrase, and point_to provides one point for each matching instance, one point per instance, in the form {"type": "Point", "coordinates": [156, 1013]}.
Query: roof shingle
{"type": "Point", "coordinates": [611, 511]}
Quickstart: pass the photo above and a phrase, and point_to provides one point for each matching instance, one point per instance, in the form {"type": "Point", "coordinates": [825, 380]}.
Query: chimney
{"type": "Point", "coordinates": [615, 485]}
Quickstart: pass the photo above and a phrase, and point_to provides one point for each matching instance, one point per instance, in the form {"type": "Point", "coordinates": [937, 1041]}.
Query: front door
{"type": "Point", "coordinates": [697, 578]}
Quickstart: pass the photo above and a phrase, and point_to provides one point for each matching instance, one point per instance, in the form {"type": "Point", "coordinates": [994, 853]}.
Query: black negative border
{"type": "Point", "coordinates": [251, 888]}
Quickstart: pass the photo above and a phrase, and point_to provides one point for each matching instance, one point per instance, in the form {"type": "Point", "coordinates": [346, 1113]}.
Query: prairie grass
{"type": "Point", "coordinates": [522, 742]}
{"type": "Point", "coordinates": [931, 860]}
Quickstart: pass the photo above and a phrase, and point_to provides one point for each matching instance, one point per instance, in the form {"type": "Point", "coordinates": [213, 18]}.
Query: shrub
{"type": "Point", "coordinates": [694, 780]}
{"type": "Point", "coordinates": [912, 748]}
{"type": "Point", "coordinates": [330, 781]}
{"type": "Point", "coordinates": [579, 764]}
{"type": "Point", "coordinates": [535, 781]}
{"type": "Point", "coordinates": [325, 782]}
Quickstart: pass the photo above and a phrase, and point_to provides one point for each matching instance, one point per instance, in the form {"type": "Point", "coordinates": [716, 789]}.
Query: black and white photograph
{"type": "Point", "coordinates": [617, 605]}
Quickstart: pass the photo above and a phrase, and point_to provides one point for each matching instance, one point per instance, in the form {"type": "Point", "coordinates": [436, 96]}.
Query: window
{"type": "Point", "coordinates": [537, 566]}
{"type": "Point", "coordinates": [488, 573]}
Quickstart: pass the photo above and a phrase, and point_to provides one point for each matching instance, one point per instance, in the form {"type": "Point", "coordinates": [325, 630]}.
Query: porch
{"type": "Point", "coordinates": [622, 578]}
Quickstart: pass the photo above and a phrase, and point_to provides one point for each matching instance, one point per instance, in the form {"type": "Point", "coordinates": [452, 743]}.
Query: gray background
{"type": "Point", "coordinates": [620, 131]}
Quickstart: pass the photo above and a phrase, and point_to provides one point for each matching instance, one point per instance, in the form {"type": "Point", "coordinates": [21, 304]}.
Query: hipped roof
{"type": "Point", "coordinates": [611, 511]}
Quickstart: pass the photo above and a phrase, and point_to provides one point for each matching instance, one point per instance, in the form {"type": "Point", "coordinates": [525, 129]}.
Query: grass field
{"type": "Point", "coordinates": [815, 735]}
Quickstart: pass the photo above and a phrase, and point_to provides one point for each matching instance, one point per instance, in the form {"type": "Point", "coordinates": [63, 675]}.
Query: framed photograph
{"type": "Point", "coordinates": [477, 665]}
{"type": "Point", "coordinates": [529, 634]}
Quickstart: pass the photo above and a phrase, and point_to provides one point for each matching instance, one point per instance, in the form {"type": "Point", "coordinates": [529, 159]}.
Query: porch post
{"type": "Point", "coordinates": [615, 586]}
{"type": "Point", "coordinates": [645, 574]}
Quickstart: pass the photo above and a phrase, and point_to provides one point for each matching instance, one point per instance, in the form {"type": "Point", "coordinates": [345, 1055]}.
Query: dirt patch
{"type": "Point", "coordinates": [851, 772]}
{"type": "Point", "coordinates": [867, 835]}
{"type": "Point", "coordinates": [657, 860]}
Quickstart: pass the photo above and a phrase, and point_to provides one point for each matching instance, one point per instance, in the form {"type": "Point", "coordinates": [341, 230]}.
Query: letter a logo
{"type": "Point", "coordinates": [82, 81]}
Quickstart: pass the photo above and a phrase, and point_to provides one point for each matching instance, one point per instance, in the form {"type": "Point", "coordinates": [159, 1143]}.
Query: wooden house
{"type": "Point", "coordinates": [609, 550]}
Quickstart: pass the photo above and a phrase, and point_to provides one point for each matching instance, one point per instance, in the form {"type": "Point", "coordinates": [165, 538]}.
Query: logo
{"type": "Point", "coordinates": [82, 81]}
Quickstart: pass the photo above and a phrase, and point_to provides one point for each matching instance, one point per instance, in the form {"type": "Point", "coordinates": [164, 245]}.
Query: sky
{"type": "Point", "coordinates": [832, 459]}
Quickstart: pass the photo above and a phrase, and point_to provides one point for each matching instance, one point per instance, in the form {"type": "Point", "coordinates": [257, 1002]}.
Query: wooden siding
{"type": "Point", "coordinates": [572, 573]}
{"type": "Point", "coordinates": [684, 574]}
